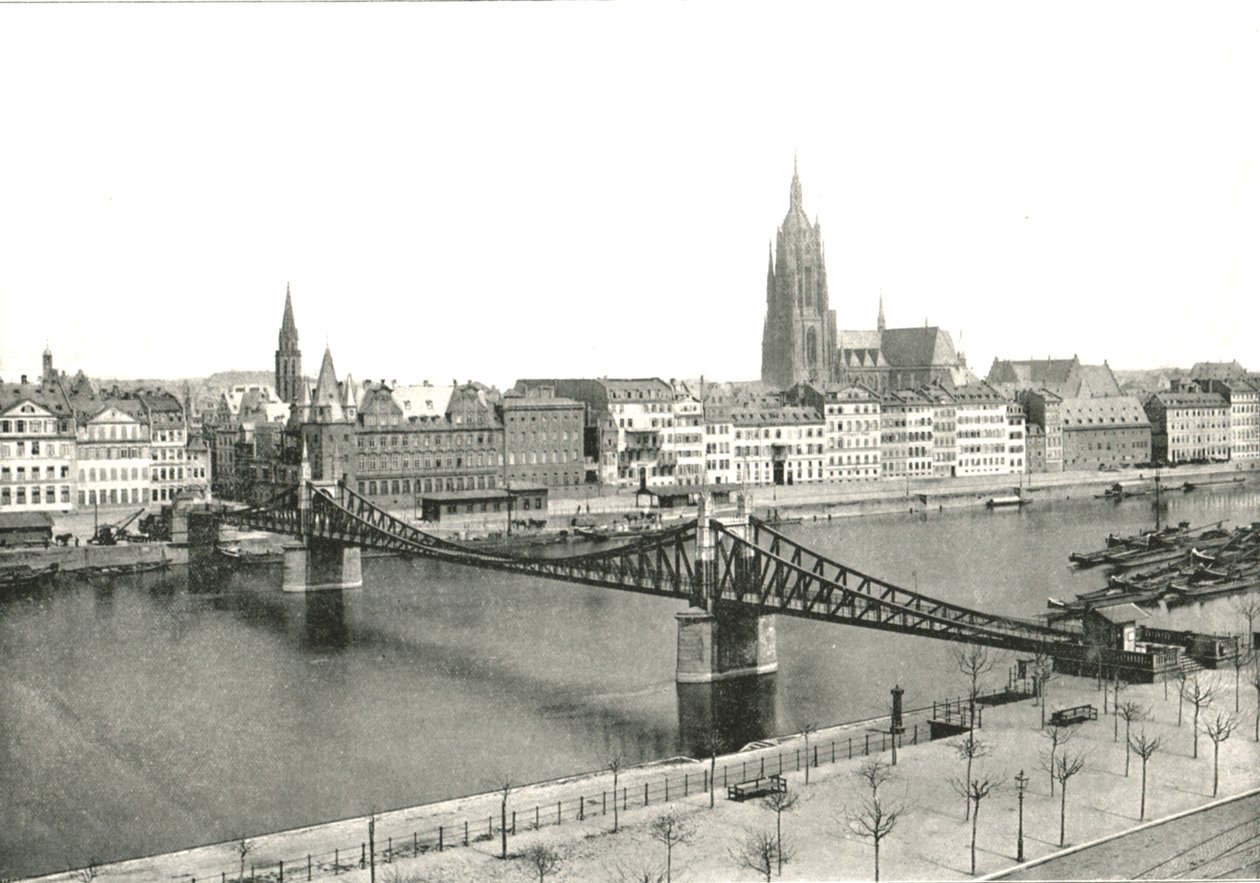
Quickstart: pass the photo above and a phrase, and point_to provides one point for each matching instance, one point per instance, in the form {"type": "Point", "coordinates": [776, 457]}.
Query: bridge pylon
{"type": "Point", "coordinates": [315, 563]}
{"type": "Point", "coordinates": [720, 639]}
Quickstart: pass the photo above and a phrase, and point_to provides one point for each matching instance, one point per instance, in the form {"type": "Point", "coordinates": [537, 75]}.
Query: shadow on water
{"type": "Point", "coordinates": [738, 711]}
{"type": "Point", "coordinates": [324, 621]}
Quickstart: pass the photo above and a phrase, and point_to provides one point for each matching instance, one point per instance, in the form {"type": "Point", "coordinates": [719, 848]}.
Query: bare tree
{"type": "Point", "coordinates": [974, 661]}
{"type": "Point", "coordinates": [1241, 659]}
{"type": "Point", "coordinates": [1043, 673]}
{"type": "Point", "coordinates": [641, 873]}
{"type": "Point", "coordinates": [243, 847]}
{"type": "Point", "coordinates": [1200, 695]}
{"type": "Point", "coordinates": [1181, 693]}
{"type": "Point", "coordinates": [1130, 710]}
{"type": "Point", "coordinates": [371, 820]}
{"type": "Point", "coordinates": [713, 745]}
{"type": "Point", "coordinates": [779, 802]}
{"type": "Point", "coordinates": [970, 748]}
{"type": "Point", "coordinates": [541, 860]}
{"type": "Point", "coordinates": [1116, 686]}
{"type": "Point", "coordinates": [874, 772]}
{"type": "Point", "coordinates": [1219, 729]}
{"type": "Point", "coordinates": [505, 790]}
{"type": "Point", "coordinates": [614, 767]}
{"type": "Point", "coordinates": [1066, 765]}
{"type": "Point", "coordinates": [1057, 735]}
{"type": "Point", "coordinates": [807, 730]}
{"type": "Point", "coordinates": [974, 791]}
{"type": "Point", "coordinates": [671, 830]}
{"type": "Point", "coordinates": [1247, 606]}
{"type": "Point", "coordinates": [1144, 747]}
{"type": "Point", "coordinates": [759, 851]}
{"type": "Point", "coordinates": [1254, 680]}
{"type": "Point", "coordinates": [875, 818]}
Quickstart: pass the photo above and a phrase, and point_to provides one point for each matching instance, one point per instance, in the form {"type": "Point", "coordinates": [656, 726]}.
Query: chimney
{"type": "Point", "coordinates": [23, 379]}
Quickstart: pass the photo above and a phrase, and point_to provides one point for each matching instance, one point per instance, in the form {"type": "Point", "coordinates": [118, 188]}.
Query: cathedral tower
{"type": "Point", "coordinates": [799, 340]}
{"type": "Point", "coordinates": [288, 356]}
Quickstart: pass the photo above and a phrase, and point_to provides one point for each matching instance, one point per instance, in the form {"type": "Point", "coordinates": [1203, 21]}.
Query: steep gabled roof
{"type": "Point", "coordinates": [917, 347]}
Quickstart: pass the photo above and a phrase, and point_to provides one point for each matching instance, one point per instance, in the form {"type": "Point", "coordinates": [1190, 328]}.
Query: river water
{"type": "Point", "coordinates": [141, 715]}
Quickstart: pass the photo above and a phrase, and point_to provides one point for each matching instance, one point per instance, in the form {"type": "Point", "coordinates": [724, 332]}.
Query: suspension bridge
{"type": "Point", "coordinates": [736, 573]}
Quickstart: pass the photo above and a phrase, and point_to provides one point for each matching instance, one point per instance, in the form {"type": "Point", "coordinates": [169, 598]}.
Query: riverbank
{"type": "Point", "coordinates": [88, 557]}
{"type": "Point", "coordinates": [929, 841]}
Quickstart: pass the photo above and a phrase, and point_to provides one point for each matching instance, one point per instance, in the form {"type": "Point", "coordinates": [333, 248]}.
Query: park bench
{"type": "Point", "coordinates": [1074, 715]}
{"type": "Point", "coordinates": [758, 787]}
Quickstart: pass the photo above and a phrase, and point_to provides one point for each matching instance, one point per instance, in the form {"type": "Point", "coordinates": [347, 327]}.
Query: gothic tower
{"type": "Point", "coordinates": [799, 340]}
{"type": "Point", "coordinates": [289, 356]}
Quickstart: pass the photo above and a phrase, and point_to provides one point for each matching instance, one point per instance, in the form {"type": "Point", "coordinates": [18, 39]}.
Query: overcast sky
{"type": "Point", "coordinates": [496, 191]}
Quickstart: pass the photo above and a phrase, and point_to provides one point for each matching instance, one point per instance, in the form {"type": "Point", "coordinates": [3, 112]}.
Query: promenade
{"type": "Point", "coordinates": [930, 840]}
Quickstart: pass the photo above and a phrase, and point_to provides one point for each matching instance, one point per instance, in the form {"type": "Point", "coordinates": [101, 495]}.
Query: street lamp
{"type": "Point", "coordinates": [1021, 785]}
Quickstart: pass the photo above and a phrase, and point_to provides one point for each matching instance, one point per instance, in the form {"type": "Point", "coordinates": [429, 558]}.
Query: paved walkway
{"type": "Point", "coordinates": [1221, 841]}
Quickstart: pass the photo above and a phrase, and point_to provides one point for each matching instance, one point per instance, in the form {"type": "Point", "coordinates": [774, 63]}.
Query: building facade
{"type": "Point", "coordinates": [1042, 411]}
{"type": "Point", "coordinates": [982, 433]}
{"type": "Point", "coordinates": [1188, 426]}
{"type": "Point", "coordinates": [113, 454]}
{"type": "Point", "coordinates": [685, 439]}
{"type": "Point", "coordinates": [37, 450]}
{"type": "Point", "coordinates": [778, 446]}
{"type": "Point", "coordinates": [798, 341]}
{"type": "Point", "coordinates": [1243, 398]}
{"type": "Point", "coordinates": [543, 439]}
{"type": "Point", "coordinates": [1104, 433]}
{"type": "Point", "coordinates": [406, 450]}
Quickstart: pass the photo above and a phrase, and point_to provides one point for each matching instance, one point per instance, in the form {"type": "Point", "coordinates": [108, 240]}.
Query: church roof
{"type": "Point", "coordinates": [918, 347]}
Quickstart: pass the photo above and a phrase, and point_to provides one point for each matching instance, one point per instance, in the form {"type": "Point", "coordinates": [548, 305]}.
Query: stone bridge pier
{"type": "Point", "coordinates": [720, 640]}
{"type": "Point", "coordinates": [316, 564]}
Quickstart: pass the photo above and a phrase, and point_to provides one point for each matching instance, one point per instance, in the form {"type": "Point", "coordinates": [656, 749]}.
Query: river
{"type": "Point", "coordinates": [140, 716]}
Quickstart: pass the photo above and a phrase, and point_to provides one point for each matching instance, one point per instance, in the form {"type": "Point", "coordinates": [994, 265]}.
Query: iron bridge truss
{"type": "Point", "coordinates": [756, 567]}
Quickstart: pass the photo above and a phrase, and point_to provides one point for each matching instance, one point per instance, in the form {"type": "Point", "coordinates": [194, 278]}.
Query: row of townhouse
{"type": "Point", "coordinates": [652, 433]}
{"type": "Point", "coordinates": [65, 445]}
{"type": "Point", "coordinates": [1208, 420]}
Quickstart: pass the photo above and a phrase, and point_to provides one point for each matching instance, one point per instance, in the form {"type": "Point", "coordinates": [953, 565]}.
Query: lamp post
{"type": "Point", "coordinates": [1021, 785]}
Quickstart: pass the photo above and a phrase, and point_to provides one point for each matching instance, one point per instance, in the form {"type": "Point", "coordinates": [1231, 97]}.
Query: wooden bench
{"type": "Point", "coordinates": [757, 788]}
{"type": "Point", "coordinates": [1074, 715]}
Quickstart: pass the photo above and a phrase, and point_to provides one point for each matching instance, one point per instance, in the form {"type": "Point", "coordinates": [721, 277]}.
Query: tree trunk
{"type": "Point", "coordinates": [968, 783]}
{"type": "Point", "coordinates": [778, 831]}
{"type": "Point", "coordinates": [503, 829]}
{"type": "Point", "coordinates": [1126, 749]}
{"type": "Point", "coordinates": [876, 860]}
{"type": "Point", "coordinates": [1052, 772]}
{"type": "Point", "coordinates": [1216, 757]}
{"type": "Point", "coordinates": [1142, 806]}
{"type": "Point", "coordinates": [1195, 724]}
{"type": "Point", "coordinates": [1062, 813]}
{"type": "Point", "coordinates": [975, 818]}
{"type": "Point", "coordinates": [712, 777]}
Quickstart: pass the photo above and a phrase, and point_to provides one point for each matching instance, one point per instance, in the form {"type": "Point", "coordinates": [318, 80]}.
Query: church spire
{"type": "Point", "coordinates": [288, 328]}
{"type": "Point", "coordinates": [796, 184]}
{"type": "Point", "coordinates": [879, 323]}
{"type": "Point", "coordinates": [288, 355]}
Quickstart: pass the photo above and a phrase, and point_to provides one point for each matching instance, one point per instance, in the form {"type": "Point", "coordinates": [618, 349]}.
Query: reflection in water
{"type": "Point", "coordinates": [324, 621]}
{"type": "Point", "coordinates": [737, 710]}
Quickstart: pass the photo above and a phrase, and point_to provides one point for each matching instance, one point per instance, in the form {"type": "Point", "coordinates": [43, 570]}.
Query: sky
{"type": "Point", "coordinates": [494, 191]}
